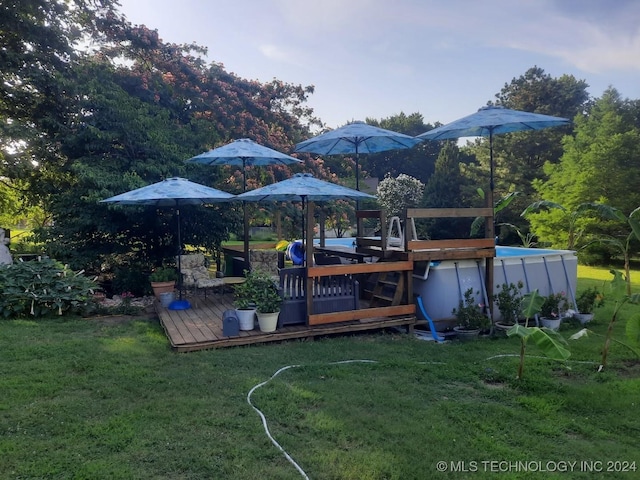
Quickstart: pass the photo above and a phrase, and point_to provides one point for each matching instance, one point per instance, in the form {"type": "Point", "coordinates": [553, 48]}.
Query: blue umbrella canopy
{"type": "Point", "coordinates": [243, 152]}
{"type": "Point", "coordinates": [493, 119]}
{"type": "Point", "coordinates": [302, 187]}
{"type": "Point", "coordinates": [490, 120]}
{"type": "Point", "coordinates": [172, 192]}
{"type": "Point", "coordinates": [356, 138]}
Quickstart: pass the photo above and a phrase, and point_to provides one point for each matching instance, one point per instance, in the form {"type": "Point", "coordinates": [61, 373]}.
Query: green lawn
{"type": "Point", "coordinates": [102, 398]}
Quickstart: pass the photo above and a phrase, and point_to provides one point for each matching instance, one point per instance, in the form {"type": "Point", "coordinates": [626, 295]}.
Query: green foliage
{"type": "Point", "coordinates": [41, 288]}
{"type": "Point", "coordinates": [617, 294]}
{"type": "Point", "coordinates": [498, 206]}
{"type": "Point", "coordinates": [595, 167]}
{"type": "Point", "coordinates": [417, 162]}
{"type": "Point", "coordinates": [551, 343]}
{"type": "Point", "coordinates": [445, 189]}
{"type": "Point", "coordinates": [164, 274]}
{"type": "Point", "coordinates": [589, 299]}
{"type": "Point", "coordinates": [470, 314]}
{"type": "Point", "coordinates": [509, 301]}
{"type": "Point", "coordinates": [553, 305]}
{"type": "Point", "coordinates": [131, 279]}
{"type": "Point", "coordinates": [258, 290]}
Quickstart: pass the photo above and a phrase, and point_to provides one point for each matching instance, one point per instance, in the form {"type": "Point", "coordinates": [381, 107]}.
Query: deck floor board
{"type": "Point", "coordinates": [200, 327]}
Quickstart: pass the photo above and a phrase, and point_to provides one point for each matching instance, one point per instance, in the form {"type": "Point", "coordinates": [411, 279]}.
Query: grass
{"type": "Point", "coordinates": [106, 398]}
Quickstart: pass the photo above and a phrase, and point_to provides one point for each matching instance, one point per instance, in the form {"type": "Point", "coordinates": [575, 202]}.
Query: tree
{"type": "Point", "coordinates": [128, 114]}
{"type": "Point", "coordinates": [599, 164]}
{"type": "Point", "coordinates": [417, 162]}
{"type": "Point", "coordinates": [519, 157]}
{"type": "Point", "coordinates": [446, 189]}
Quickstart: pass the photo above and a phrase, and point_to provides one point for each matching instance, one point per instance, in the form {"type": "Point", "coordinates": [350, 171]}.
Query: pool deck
{"type": "Point", "coordinates": [200, 327]}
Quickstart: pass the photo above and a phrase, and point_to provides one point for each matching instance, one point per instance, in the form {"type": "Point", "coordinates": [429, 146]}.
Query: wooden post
{"type": "Point", "coordinates": [489, 232]}
{"type": "Point", "coordinates": [278, 222]}
{"type": "Point", "coordinates": [309, 259]}
{"type": "Point", "coordinates": [246, 235]}
{"type": "Point", "coordinates": [322, 221]}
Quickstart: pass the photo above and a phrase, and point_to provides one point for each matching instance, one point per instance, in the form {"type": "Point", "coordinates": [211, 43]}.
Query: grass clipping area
{"type": "Point", "coordinates": [107, 398]}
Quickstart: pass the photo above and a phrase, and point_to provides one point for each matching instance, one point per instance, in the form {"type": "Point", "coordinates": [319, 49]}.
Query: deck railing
{"type": "Point", "coordinates": [406, 308]}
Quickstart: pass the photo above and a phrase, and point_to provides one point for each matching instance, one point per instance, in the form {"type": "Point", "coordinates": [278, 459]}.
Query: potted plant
{"type": "Point", "coordinates": [551, 310]}
{"type": "Point", "coordinates": [260, 290]}
{"type": "Point", "coordinates": [244, 299]}
{"type": "Point", "coordinates": [268, 300]}
{"type": "Point", "coordinates": [588, 300]}
{"type": "Point", "coordinates": [470, 316]}
{"type": "Point", "coordinates": [163, 280]}
{"type": "Point", "coordinates": [509, 303]}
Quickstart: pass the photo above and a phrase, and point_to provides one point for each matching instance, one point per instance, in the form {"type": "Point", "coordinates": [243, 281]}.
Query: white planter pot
{"type": "Point", "coordinates": [246, 318]}
{"type": "Point", "coordinates": [268, 321]}
{"type": "Point", "coordinates": [552, 323]}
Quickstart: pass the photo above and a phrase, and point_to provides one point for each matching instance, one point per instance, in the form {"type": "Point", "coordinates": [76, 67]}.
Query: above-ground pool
{"type": "Point", "coordinates": [443, 284]}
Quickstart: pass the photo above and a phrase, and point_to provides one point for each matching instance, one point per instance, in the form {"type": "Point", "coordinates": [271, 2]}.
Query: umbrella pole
{"type": "Point", "coordinates": [179, 256]}
{"type": "Point", "coordinates": [245, 217]}
{"type": "Point", "coordinates": [357, 178]}
{"type": "Point", "coordinates": [304, 220]}
{"type": "Point", "coordinates": [490, 230]}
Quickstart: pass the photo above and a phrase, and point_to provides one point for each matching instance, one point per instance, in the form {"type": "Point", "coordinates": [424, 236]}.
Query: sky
{"type": "Point", "coordinates": [378, 58]}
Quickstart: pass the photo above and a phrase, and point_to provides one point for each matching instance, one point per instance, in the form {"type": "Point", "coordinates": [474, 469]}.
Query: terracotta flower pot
{"type": "Point", "coordinates": [162, 287]}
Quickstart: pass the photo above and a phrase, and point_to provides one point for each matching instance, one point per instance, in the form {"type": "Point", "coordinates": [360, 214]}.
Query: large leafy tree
{"type": "Point", "coordinates": [38, 55]}
{"type": "Point", "coordinates": [126, 114]}
{"type": "Point", "coordinates": [519, 157]}
{"type": "Point", "coordinates": [417, 162]}
{"type": "Point", "coordinates": [600, 164]}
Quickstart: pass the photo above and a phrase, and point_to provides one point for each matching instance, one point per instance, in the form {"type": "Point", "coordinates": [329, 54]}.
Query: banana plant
{"type": "Point", "coordinates": [623, 245]}
{"type": "Point", "coordinates": [498, 206]}
{"type": "Point", "coordinates": [632, 328]}
{"type": "Point", "coordinates": [550, 342]}
{"type": "Point", "coordinates": [572, 217]}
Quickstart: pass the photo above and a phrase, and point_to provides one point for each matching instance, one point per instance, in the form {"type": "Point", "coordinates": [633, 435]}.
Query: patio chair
{"type": "Point", "coordinates": [195, 274]}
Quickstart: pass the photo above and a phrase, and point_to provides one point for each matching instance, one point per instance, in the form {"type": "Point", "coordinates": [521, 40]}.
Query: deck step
{"type": "Point", "coordinates": [388, 290]}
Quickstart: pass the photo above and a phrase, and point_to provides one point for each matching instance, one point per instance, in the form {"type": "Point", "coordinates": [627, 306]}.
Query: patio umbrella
{"type": "Point", "coordinates": [172, 192]}
{"type": "Point", "coordinates": [490, 120]}
{"type": "Point", "coordinates": [243, 152]}
{"type": "Point", "coordinates": [356, 138]}
{"type": "Point", "coordinates": [302, 187]}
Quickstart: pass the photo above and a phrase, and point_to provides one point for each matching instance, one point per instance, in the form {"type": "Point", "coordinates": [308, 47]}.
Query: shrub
{"type": "Point", "coordinates": [42, 288]}
{"type": "Point", "coordinates": [509, 301]}
{"type": "Point", "coordinates": [553, 305]}
{"type": "Point", "coordinates": [470, 314]}
{"type": "Point", "coordinates": [588, 300]}
{"type": "Point", "coordinates": [164, 274]}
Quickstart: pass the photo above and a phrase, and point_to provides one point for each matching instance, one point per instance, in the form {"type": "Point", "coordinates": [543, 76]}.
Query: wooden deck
{"type": "Point", "coordinates": [200, 327]}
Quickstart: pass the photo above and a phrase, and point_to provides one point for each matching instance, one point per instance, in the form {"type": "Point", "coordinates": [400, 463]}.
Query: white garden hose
{"type": "Point", "coordinates": [279, 447]}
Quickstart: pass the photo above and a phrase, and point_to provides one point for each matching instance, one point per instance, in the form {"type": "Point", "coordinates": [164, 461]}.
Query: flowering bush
{"type": "Point", "coordinates": [396, 194]}
{"type": "Point", "coordinates": [553, 305]}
